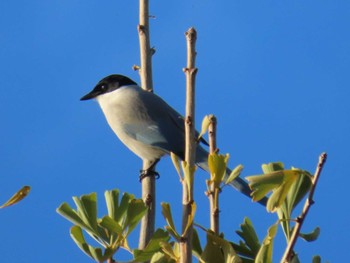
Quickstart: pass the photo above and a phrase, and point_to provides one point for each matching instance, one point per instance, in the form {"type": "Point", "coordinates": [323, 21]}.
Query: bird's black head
{"type": "Point", "coordinates": [108, 84]}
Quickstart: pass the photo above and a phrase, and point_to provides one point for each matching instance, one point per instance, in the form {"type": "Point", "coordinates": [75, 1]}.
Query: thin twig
{"type": "Point", "coordinates": [214, 191]}
{"type": "Point", "coordinates": [187, 196]}
{"type": "Point", "coordinates": [289, 253]}
{"type": "Point", "coordinates": [148, 183]}
{"type": "Point", "coordinates": [212, 134]}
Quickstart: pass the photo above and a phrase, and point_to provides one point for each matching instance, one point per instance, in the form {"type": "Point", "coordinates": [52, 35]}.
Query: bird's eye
{"type": "Point", "coordinates": [103, 86]}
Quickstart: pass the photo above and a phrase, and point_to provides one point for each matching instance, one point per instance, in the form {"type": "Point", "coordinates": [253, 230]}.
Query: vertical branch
{"type": "Point", "coordinates": [289, 253]}
{"type": "Point", "coordinates": [187, 197]}
{"type": "Point", "coordinates": [149, 197]}
{"type": "Point", "coordinates": [214, 191]}
{"type": "Point", "coordinates": [212, 134]}
{"type": "Point", "coordinates": [190, 71]}
{"type": "Point", "coordinates": [145, 47]}
{"type": "Point", "coordinates": [148, 183]}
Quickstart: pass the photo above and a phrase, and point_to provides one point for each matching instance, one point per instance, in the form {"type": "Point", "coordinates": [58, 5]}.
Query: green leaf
{"type": "Point", "coordinates": [176, 163]}
{"type": "Point", "coordinates": [95, 253]}
{"type": "Point", "coordinates": [280, 193]}
{"type": "Point", "coordinates": [316, 259]}
{"type": "Point", "coordinates": [123, 208]}
{"type": "Point", "coordinates": [243, 251]}
{"type": "Point", "coordinates": [152, 247]}
{"type": "Point", "coordinates": [299, 189]}
{"type": "Point", "coordinates": [166, 212]}
{"type": "Point", "coordinates": [111, 225]}
{"type": "Point", "coordinates": [190, 218]}
{"type": "Point", "coordinates": [90, 206]}
{"type": "Point", "coordinates": [78, 237]}
{"type": "Point", "coordinates": [169, 251]}
{"type": "Point", "coordinates": [234, 174]}
{"type": "Point", "coordinates": [272, 167]}
{"type": "Point", "coordinates": [217, 167]}
{"type": "Point", "coordinates": [249, 236]}
{"type": "Point", "coordinates": [295, 259]}
{"type": "Point", "coordinates": [218, 250]}
{"type": "Point", "coordinates": [112, 199]}
{"type": "Point", "coordinates": [284, 217]}
{"type": "Point", "coordinates": [135, 212]}
{"type": "Point", "coordinates": [176, 249]}
{"type": "Point", "coordinates": [85, 212]}
{"type": "Point", "coordinates": [205, 125]}
{"type": "Point", "coordinates": [228, 251]}
{"type": "Point", "coordinates": [278, 182]}
{"type": "Point", "coordinates": [160, 257]}
{"type": "Point", "coordinates": [312, 236]}
{"type": "Point", "coordinates": [17, 197]}
{"type": "Point", "coordinates": [71, 215]}
{"type": "Point", "coordinates": [263, 184]}
{"type": "Point", "coordinates": [212, 253]}
{"type": "Point", "coordinates": [196, 244]}
{"type": "Point", "coordinates": [248, 249]}
{"type": "Point", "coordinates": [85, 216]}
{"type": "Point", "coordinates": [265, 253]}
{"type": "Point", "coordinates": [188, 175]}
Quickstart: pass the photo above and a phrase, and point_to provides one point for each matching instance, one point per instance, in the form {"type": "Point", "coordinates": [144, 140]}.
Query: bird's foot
{"type": "Point", "coordinates": [147, 173]}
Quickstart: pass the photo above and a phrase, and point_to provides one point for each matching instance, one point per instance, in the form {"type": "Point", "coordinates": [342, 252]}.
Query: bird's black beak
{"type": "Point", "coordinates": [92, 94]}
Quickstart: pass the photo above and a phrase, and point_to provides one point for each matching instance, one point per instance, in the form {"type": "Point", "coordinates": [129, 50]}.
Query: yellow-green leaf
{"type": "Point", "coordinates": [176, 163]}
{"type": "Point", "coordinates": [152, 247]}
{"type": "Point", "coordinates": [272, 167]}
{"type": "Point", "coordinates": [190, 218]}
{"type": "Point", "coordinates": [234, 174]}
{"type": "Point", "coordinates": [316, 259]}
{"type": "Point", "coordinates": [112, 202]}
{"type": "Point", "coordinates": [111, 225]}
{"type": "Point", "coordinates": [136, 210]}
{"type": "Point", "coordinates": [205, 125]}
{"type": "Point", "coordinates": [217, 167]}
{"type": "Point", "coordinates": [265, 253]}
{"type": "Point", "coordinates": [278, 182]}
{"type": "Point", "coordinates": [280, 193]}
{"type": "Point", "coordinates": [166, 211]}
{"type": "Point", "coordinates": [168, 250]}
{"type": "Point", "coordinates": [312, 236]}
{"type": "Point", "coordinates": [196, 244]}
{"type": "Point", "coordinates": [249, 236]}
{"type": "Point", "coordinates": [188, 176]}
{"type": "Point", "coordinates": [229, 253]}
{"type": "Point", "coordinates": [22, 193]}
{"type": "Point", "coordinates": [93, 252]}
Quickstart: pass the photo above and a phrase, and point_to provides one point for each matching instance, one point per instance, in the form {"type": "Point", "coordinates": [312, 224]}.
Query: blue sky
{"type": "Point", "coordinates": [275, 73]}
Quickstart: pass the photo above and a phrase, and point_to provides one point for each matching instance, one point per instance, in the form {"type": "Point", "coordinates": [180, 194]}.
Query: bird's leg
{"type": "Point", "coordinates": [149, 171]}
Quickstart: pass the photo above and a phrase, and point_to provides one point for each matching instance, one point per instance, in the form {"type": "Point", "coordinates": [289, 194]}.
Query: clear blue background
{"type": "Point", "coordinates": [275, 73]}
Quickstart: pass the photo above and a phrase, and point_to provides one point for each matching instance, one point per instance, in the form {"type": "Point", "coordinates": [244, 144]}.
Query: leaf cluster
{"type": "Point", "coordinates": [110, 231]}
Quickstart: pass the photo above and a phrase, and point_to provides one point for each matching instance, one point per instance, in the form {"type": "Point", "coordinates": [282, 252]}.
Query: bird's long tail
{"type": "Point", "coordinates": [239, 184]}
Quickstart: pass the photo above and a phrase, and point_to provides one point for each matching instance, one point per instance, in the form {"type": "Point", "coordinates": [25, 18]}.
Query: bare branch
{"type": "Point", "coordinates": [289, 253]}
{"type": "Point", "coordinates": [145, 47]}
{"type": "Point", "coordinates": [187, 197]}
{"type": "Point", "coordinates": [148, 183]}
{"type": "Point", "coordinates": [214, 192]}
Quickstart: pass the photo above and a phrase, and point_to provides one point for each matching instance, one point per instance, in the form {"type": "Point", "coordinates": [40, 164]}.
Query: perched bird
{"type": "Point", "coordinates": [145, 123]}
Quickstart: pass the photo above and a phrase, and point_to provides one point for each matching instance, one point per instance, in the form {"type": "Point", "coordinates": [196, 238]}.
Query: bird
{"type": "Point", "coordinates": [146, 124]}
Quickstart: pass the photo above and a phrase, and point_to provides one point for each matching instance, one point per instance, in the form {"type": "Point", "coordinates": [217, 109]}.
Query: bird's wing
{"type": "Point", "coordinates": [161, 126]}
